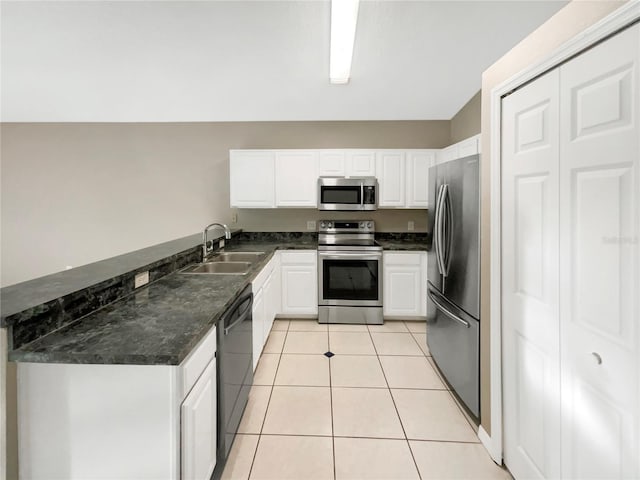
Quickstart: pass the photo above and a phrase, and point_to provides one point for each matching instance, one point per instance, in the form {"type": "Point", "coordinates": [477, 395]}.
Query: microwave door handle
{"type": "Point", "coordinates": [362, 195]}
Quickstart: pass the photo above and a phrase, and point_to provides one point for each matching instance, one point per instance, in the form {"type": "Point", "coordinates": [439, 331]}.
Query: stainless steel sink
{"type": "Point", "coordinates": [220, 268]}
{"type": "Point", "coordinates": [236, 257]}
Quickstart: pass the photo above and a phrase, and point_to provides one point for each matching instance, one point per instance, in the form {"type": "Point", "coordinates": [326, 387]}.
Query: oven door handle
{"type": "Point", "coordinates": [342, 256]}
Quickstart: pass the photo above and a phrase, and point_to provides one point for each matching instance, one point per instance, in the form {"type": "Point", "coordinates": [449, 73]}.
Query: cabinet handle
{"type": "Point", "coordinates": [597, 358]}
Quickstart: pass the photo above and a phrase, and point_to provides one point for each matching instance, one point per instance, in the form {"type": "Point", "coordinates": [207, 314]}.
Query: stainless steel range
{"type": "Point", "coordinates": [349, 273]}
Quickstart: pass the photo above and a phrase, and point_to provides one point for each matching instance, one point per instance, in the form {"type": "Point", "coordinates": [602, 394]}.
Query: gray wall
{"type": "Point", "coordinates": [73, 194]}
{"type": "Point", "coordinates": [466, 123]}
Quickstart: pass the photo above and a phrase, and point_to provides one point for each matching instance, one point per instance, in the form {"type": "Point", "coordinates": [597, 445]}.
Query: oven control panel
{"type": "Point", "coordinates": [347, 226]}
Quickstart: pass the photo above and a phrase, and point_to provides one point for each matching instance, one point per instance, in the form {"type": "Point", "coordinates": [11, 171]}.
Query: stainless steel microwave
{"type": "Point", "coordinates": [340, 193]}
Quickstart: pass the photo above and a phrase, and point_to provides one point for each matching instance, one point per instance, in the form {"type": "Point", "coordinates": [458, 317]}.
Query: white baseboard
{"type": "Point", "coordinates": [489, 444]}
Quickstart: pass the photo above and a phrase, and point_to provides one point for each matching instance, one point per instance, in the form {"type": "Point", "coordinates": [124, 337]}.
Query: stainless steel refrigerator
{"type": "Point", "coordinates": [453, 296]}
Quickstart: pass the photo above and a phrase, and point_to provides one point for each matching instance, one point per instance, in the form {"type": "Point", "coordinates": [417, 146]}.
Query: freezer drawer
{"type": "Point", "coordinates": [455, 349]}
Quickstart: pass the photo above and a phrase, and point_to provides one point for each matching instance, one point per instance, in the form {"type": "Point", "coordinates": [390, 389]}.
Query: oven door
{"type": "Point", "coordinates": [350, 278]}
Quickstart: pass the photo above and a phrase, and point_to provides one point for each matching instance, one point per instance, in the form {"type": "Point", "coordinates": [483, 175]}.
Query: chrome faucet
{"type": "Point", "coordinates": [205, 249]}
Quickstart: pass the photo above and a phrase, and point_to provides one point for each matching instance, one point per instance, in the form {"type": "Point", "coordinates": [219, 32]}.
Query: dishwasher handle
{"type": "Point", "coordinates": [248, 300]}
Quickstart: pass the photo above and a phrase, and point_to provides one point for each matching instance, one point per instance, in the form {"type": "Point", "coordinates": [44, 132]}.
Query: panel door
{"type": "Point", "coordinates": [252, 178]}
{"type": "Point", "coordinates": [361, 163]}
{"type": "Point", "coordinates": [269, 304]}
{"type": "Point", "coordinates": [299, 289]}
{"type": "Point", "coordinates": [418, 163]}
{"type": "Point", "coordinates": [402, 291]}
{"type": "Point", "coordinates": [391, 178]}
{"type": "Point", "coordinates": [258, 321]}
{"type": "Point", "coordinates": [296, 178]}
{"type": "Point", "coordinates": [470, 146]}
{"type": "Point", "coordinates": [198, 427]}
{"type": "Point", "coordinates": [600, 255]}
{"type": "Point", "coordinates": [530, 335]}
{"type": "Point", "coordinates": [332, 163]}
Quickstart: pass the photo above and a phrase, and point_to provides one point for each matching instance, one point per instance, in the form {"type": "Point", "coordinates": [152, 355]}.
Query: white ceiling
{"type": "Point", "coordinates": [157, 61]}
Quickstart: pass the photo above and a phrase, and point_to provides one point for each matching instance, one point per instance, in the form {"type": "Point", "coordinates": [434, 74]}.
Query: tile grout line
{"type": "Point", "coordinates": [333, 432]}
{"type": "Point", "coordinates": [393, 400]}
{"type": "Point", "coordinates": [418, 343]}
{"type": "Point", "coordinates": [255, 453]}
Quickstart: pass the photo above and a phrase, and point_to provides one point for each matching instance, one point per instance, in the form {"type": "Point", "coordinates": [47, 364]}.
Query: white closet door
{"type": "Point", "coordinates": [600, 288]}
{"type": "Point", "coordinates": [531, 383]}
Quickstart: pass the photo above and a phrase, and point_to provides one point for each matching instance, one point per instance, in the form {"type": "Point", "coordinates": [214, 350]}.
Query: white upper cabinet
{"type": "Point", "coordinates": [347, 163]}
{"type": "Point", "coordinates": [468, 146]}
{"type": "Point", "coordinates": [289, 178]}
{"type": "Point", "coordinates": [296, 178]}
{"type": "Point", "coordinates": [390, 170]}
{"type": "Point", "coordinates": [332, 163]}
{"type": "Point", "coordinates": [252, 178]}
{"type": "Point", "coordinates": [418, 163]}
{"type": "Point", "coordinates": [361, 163]}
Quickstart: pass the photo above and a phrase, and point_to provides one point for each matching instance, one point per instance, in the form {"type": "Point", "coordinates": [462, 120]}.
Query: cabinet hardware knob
{"type": "Point", "coordinates": [597, 358]}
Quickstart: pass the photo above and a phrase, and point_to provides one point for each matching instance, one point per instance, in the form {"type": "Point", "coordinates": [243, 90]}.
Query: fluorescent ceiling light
{"type": "Point", "coordinates": [344, 16]}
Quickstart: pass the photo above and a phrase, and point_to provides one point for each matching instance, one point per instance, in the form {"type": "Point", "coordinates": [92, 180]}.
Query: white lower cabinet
{"type": "Point", "coordinates": [299, 282]}
{"type": "Point", "coordinates": [198, 427]}
{"type": "Point", "coordinates": [273, 296]}
{"type": "Point", "coordinates": [404, 284]}
{"type": "Point", "coordinates": [266, 304]}
{"type": "Point", "coordinates": [86, 421]}
{"type": "Point", "coordinates": [258, 321]}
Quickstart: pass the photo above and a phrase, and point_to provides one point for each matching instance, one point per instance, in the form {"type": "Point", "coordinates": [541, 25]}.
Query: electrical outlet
{"type": "Point", "coordinates": [311, 225]}
{"type": "Point", "coordinates": [410, 226]}
{"type": "Point", "coordinates": [141, 279]}
{"type": "Point", "coordinates": [234, 217]}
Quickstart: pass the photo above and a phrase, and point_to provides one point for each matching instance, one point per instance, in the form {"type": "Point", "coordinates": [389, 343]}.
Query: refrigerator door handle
{"type": "Point", "coordinates": [447, 236]}
{"type": "Point", "coordinates": [446, 311]}
{"type": "Point", "coordinates": [438, 230]}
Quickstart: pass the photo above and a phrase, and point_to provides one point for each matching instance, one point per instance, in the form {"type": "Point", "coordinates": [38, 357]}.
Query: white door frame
{"type": "Point", "coordinates": [617, 20]}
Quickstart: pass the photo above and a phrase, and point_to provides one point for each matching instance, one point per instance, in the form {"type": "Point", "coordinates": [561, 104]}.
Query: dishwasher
{"type": "Point", "coordinates": [235, 370]}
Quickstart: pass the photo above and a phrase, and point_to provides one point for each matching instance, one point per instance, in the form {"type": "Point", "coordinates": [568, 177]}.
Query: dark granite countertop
{"type": "Point", "coordinates": [158, 324]}
{"type": "Point", "coordinates": [161, 323]}
{"type": "Point", "coordinates": [404, 245]}
{"type": "Point", "coordinates": [21, 296]}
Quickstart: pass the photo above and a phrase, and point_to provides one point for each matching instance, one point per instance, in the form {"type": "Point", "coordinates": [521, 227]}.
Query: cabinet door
{"type": "Point", "coordinates": [258, 320]}
{"type": "Point", "coordinates": [252, 178]}
{"type": "Point", "coordinates": [531, 325]}
{"type": "Point", "coordinates": [299, 282]}
{"type": "Point", "coordinates": [391, 178]}
{"type": "Point", "coordinates": [600, 259]}
{"type": "Point", "coordinates": [418, 164]}
{"type": "Point", "coordinates": [331, 163]}
{"type": "Point", "coordinates": [470, 146]}
{"type": "Point", "coordinates": [198, 427]}
{"type": "Point", "coordinates": [296, 178]}
{"type": "Point", "coordinates": [403, 282]}
{"type": "Point", "coordinates": [269, 305]}
{"type": "Point", "coordinates": [361, 163]}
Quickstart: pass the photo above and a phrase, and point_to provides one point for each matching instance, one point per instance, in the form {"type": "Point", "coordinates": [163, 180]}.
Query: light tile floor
{"type": "Point", "coordinates": [378, 409]}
